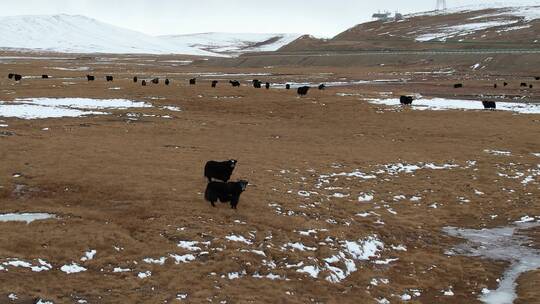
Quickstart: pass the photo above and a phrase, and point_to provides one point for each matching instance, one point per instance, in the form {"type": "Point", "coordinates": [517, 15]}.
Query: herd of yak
{"type": "Point", "coordinates": [303, 90]}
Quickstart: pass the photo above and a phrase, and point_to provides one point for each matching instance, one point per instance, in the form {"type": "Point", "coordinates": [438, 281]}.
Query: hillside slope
{"type": "Point", "coordinates": [509, 27]}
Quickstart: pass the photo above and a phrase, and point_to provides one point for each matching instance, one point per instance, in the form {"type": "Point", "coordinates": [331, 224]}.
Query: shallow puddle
{"type": "Point", "coordinates": [505, 244]}
{"type": "Point", "coordinates": [25, 217]}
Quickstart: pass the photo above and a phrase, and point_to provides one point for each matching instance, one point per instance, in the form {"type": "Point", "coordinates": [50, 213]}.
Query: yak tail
{"type": "Point", "coordinates": [206, 195]}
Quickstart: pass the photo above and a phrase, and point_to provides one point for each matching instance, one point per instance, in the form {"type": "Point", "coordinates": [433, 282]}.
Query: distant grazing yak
{"type": "Point", "coordinates": [458, 85]}
{"type": "Point", "coordinates": [135, 79]}
{"type": "Point", "coordinates": [490, 105]}
{"type": "Point", "coordinates": [537, 78]}
{"type": "Point", "coordinates": [302, 91]}
{"type": "Point", "coordinates": [530, 86]}
{"type": "Point", "coordinates": [523, 84]}
{"type": "Point", "coordinates": [495, 86]}
{"type": "Point", "coordinates": [406, 100]}
{"type": "Point", "coordinates": [167, 82]}
{"type": "Point", "coordinates": [287, 86]}
{"type": "Point", "coordinates": [219, 170]}
{"type": "Point", "coordinates": [155, 81]}
{"type": "Point", "coordinates": [90, 77]}
{"type": "Point", "coordinates": [193, 81]}
{"type": "Point", "coordinates": [322, 86]}
{"type": "Point", "coordinates": [143, 83]}
{"type": "Point", "coordinates": [234, 83]}
{"type": "Point", "coordinates": [17, 77]}
{"type": "Point", "coordinates": [214, 83]}
{"type": "Point", "coordinates": [505, 84]}
{"type": "Point", "coordinates": [267, 85]}
{"type": "Point", "coordinates": [44, 76]}
{"type": "Point", "coordinates": [257, 84]}
{"type": "Point", "coordinates": [225, 192]}
{"type": "Point", "coordinates": [109, 78]}
{"type": "Point", "coordinates": [10, 75]}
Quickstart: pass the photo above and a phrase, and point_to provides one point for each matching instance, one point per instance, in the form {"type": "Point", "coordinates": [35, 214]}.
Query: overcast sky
{"type": "Point", "coordinates": [323, 18]}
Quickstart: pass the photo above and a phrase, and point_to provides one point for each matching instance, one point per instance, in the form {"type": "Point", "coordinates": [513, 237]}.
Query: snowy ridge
{"type": "Point", "coordinates": [80, 34]}
{"type": "Point", "coordinates": [523, 6]}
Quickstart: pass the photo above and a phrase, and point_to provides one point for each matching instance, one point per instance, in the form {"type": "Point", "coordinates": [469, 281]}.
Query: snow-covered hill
{"type": "Point", "coordinates": [80, 34]}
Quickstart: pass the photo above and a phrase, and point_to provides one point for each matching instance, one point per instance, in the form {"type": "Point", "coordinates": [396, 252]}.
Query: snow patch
{"type": "Point", "coordinates": [25, 217]}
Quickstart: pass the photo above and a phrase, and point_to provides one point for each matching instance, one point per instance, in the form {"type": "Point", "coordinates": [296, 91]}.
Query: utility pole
{"type": "Point", "coordinates": [441, 5]}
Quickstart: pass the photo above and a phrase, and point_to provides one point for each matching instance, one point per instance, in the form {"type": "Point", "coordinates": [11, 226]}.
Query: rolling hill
{"type": "Point", "coordinates": [80, 34]}
{"type": "Point", "coordinates": [466, 27]}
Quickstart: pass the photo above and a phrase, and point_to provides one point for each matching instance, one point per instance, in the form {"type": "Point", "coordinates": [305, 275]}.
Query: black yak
{"type": "Point", "coordinates": [491, 105]}
{"type": "Point", "coordinates": [219, 170]}
{"type": "Point", "coordinates": [135, 79]}
{"type": "Point", "coordinates": [523, 84]}
{"type": "Point", "coordinates": [17, 77]}
{"type": "Point", "coordinates": [406, 100]}
{"type": "Point", "coordinates": [214, 83]}
{"type": "Point", "coordinates": [257, 84]}
{"type": "Point", "coordinates": [322, 86]}
{"type": "Point", "coordinates": [109, 78]}
{"type": "Point", "coordinates": [287, 86]}
{"type": "Point", "coordinates": [143, 83]}
{"type": "Point", "coordinates": [10, 75]}
{"type": "Point", "coordinates": [234, 83]}
{"type": "Point", "coordinates": [167, 82]}
{"type": "Point", "coordinates": [302, 90]}
{"type": "Point", "coordinates": [90, 77]}
{"type": "Point", "coordinates": [458, 85]}
{"type": "Point", "coordinates": [155, 81]}
{"type": "Point", "coordinates": [193, 81]}
{"type": "Point", "coordinates": [225, 192]}
{"type": "Point", "coordinates": [44, 76]}
{"type": "Point", "coordinates": [267, 85]}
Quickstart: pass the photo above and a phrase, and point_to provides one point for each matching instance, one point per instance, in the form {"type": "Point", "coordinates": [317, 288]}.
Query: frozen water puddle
{"type": "Point", "coordinates": [25, 217]}
{"type": "Point", "coordinates": [295, 85]}
{"type": "Point", "coordinates": [501, 244]}
{"type": "Point", "coordinates": [441, 104]}
{"type": "Point", "coordinates": [41, 108]}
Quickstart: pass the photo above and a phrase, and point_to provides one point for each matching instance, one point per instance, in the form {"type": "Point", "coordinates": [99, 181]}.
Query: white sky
{"type": "Point", "coordinates": [161, 17]}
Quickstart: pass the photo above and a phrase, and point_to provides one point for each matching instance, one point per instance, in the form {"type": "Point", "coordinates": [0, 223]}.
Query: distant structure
{"type": "Point", "coordinates": [441, 5]}
{"type": "Point", "coordinates": [387, 16]}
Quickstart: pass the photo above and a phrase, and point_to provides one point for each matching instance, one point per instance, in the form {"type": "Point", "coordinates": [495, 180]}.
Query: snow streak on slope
{"type": "Point", "coordinates": [234, 43]}
{"type": "Point", "coordinates": [444, 33]}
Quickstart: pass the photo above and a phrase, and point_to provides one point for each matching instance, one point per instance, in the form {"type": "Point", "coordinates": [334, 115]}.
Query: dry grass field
{"type": "Point", "coordinates": [346, 204]}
